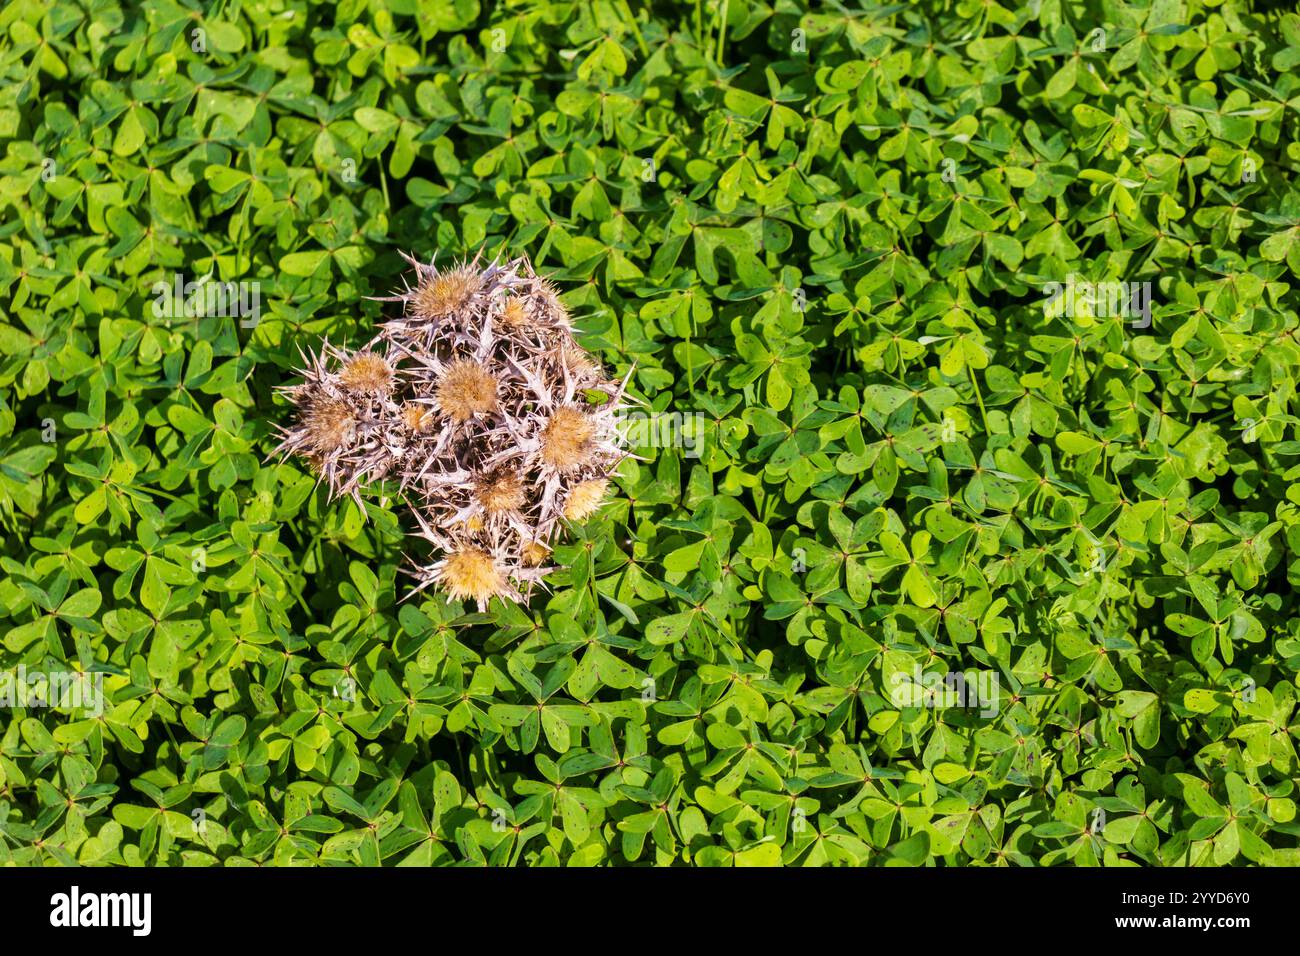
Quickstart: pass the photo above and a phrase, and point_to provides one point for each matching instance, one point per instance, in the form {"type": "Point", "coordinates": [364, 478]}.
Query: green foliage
{"type": "Point", "coordinates": [831, 234]}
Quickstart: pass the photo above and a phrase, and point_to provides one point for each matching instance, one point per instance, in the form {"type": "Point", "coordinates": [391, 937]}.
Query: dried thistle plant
{"type": "Point", "coordinates": [477, 402]}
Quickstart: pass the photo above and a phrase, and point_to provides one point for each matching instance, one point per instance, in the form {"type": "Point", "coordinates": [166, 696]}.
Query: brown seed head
{"type": "Point", "coordinates": [416, 417]}
{"type": "Point", "coordinates": [534, 553]}
{"type": "Point", "coordinates": [566, 439]}
{"type": "Point", "coordinates": [472, 573]}
{"type": "Point", "coordinates": [514, 314]}
{"type": "Point", "coordinates": [447, 292]}
{"type": "Point", "coordinates": [550, 301]}
{"type": "Point", "coordinates": [367, 372]}
{"type": "Point", "coordinates": [466, 389]}
{"type": "Point", "coordinates": [579, 362]}
{"type": "Point", "coordinates": [500, 491]}
{"type": "Point", "coordinates": [584, 498]}
{"type": "Point", "coordinates": [329, 425]}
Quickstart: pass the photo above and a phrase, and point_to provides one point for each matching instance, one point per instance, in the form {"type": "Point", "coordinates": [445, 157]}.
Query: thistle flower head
{"type": "Point", "coordinates": [534, 553]}
{"type": "Point", "coordinates": [466, 389]}
{"type": "Point", "coordinates": [475, 401]}
{"type": "Point", "coordinates": [445, 293]}
{"type": "Point", "coordinates": [548, 301]}
{"type": "Point", "coordinates": [578, 363]}
{"type": "Point", "coordinates": [367, 373]}
{"type": "Point", "coordinates": [585, 498]}
{"type": "Point", "coordinates": [417, 418]}
{"type": "Point", "coordinates": [472, 573]}
{"type": "Point", "coordinates": [566, 439]}
{"type": "Point", "coordinates": [328, 425]}
{"type": "Point", "coordinates": [499, 491]}
{"type": "Point", "coordinates": [514, 313]}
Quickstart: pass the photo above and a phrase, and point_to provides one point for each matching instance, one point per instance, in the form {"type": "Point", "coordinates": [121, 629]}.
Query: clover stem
{"type": "Point", "coordinates": [690, 369]}
{"type": "Point", "coordinates": [722, 33]}
{"type": "Point", "coordinates": [636, 30]}
{"type": "Point", "coordinates": [980, 399]}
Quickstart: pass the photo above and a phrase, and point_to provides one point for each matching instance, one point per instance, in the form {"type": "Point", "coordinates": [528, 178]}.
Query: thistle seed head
{"type": "Point", "coordinates": [417, 418]}
{"type": "Point", "coordinates": [547, 298]}
{"type": "Point", "coordinates": [566, 439]}
{"type": "Point", "coordinates": [514, 313]}
{"type": "Point", "coordinates": [500, 491]}
{"type": "Point", "coordinates": [578, 363]}
{"type": "Point", "coordinates": [446, 293]}
{"type": "Point", "coordinates": [475, 402]}
{"type": "Point", "coordinates": [585, 498]}
{"type": "Point", "coordinates": [534, 553]}
{"type": "Point", "coordinates": [466, 389]}
{"type": "Point", "coordinates": [329, 425]}
{"type": "Point", "coordinates": [472, 573]}
{"type": "Point", "coordinates": [367, 373]}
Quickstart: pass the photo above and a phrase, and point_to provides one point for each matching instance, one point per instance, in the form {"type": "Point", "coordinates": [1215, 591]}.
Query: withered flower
{"type": "Point", "coordinates": [466, 389]}
{"type": "Point", "coordinates": [367, 373]}
{"type": "Point", "coordinates": [477, 401]}
{"type": "Point", "coordinates": [500, 491]}
{"type": "Point", "coordinates": [446, 293]}
{"type": "Point", "coordinates": [328, 425]}
{"type": "Point", "coordinates": [584, 498]}
{"type": "Point", "coordinates": [566, 439]}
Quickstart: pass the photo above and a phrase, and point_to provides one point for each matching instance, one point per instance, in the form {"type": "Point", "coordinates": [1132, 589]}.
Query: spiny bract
{"type": "Point", "coordinates": [483, 408]}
